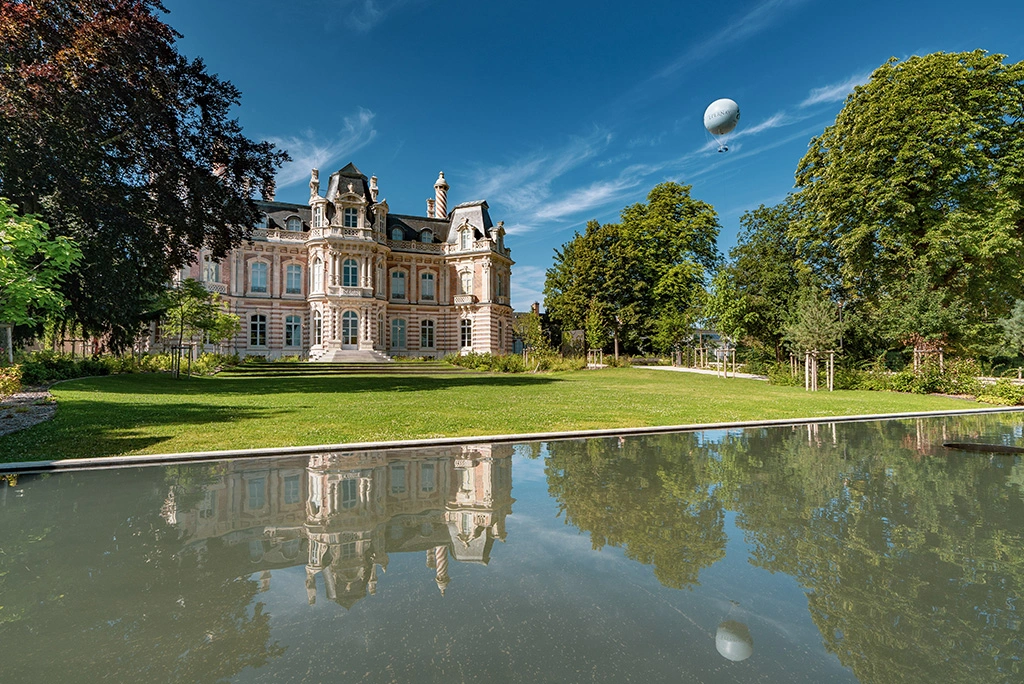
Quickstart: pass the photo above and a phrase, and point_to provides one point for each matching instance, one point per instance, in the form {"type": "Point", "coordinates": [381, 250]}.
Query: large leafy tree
{"type": "Point", "coordinates": [922, 174]}
{"type": "Point", "coordinates": [31, 268]}
{"type": "Point", "coordinates": [764, 273]}
{"type": "Point", "coordinates": [644, 274]}
{"type": "Point", "coordinates": [124, 145]}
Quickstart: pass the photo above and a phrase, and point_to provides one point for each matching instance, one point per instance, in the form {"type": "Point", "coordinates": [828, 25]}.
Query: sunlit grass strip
{"type": "Point", "coordinates": [154, 413]}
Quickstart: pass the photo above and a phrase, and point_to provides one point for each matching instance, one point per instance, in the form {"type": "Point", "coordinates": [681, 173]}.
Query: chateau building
{"type": "Point", "coordinates": [344, 515]}
{"type": "Point", "coordinates": [343, 278]}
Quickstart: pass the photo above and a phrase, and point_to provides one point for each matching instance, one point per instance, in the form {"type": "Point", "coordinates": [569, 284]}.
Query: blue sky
{"type": "Point", "coordinates": [560, 112]}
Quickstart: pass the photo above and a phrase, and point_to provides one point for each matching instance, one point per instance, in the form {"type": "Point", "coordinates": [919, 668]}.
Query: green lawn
{"type": "Point", "coordinates": [153, 413]}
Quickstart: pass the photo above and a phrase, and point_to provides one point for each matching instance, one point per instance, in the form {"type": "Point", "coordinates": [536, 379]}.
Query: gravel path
{"type": "Point", "coordinates": [26, 408]}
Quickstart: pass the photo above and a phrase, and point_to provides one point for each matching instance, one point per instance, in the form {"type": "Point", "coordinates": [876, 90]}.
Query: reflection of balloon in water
{"type": "Point", "coordinates": [720, 118]}
{"type": "Point", "coordinates": [733, 641]}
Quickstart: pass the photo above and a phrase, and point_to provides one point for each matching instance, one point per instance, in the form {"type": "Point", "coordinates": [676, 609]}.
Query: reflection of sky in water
{"type": "Point", "coordinates": [810, 550]}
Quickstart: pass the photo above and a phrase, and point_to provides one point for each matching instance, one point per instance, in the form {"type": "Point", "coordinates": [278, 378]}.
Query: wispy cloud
{"type": "Point", "coordinates": [362, 15]}
{"type": "Point", "coordinates": [835, 92]}
{"type": "Point", "coordinates": [527, 286]}
{"type": "Point", "coordinates": [738, 30]}
{"type": "Point", "coordinates": [524, 186]}
{"type": "Point", "coordinates": [310, 150]}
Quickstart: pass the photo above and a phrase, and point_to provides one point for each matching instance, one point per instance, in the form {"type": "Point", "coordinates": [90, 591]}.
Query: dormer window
{"type": "Point", "coordinates": [294, 224]}
{"type": "Point", "coordinates": [466, 238]}
{"type": "Point", "coordinates": [426, 236]}
{"type": "Point", "coordinates": [318, 215]}
{"type": "Point", "coordinates": [262, 223]}
{"type": "Point", "coordinates": [351, 217]}
{"type": "Point", "coordinates": [396, 234]}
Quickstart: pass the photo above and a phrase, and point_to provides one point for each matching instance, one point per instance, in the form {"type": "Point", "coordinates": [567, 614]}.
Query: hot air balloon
{"type": "Point", "coordinates": [720, 118]}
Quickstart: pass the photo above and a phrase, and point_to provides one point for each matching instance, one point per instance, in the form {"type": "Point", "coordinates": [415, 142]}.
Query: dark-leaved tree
{"type": "Point", "coordinates": [119, 142]}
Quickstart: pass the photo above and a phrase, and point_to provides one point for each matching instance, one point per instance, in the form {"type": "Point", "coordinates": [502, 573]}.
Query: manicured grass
{"type": "Point", "coordinates": [153, 413]}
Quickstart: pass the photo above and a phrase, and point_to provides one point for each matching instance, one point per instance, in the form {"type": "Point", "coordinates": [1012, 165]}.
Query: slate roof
{"type": "Point", "coordinates": [278, 213]}
{"type": "Point", "coordinates": [412, 226]}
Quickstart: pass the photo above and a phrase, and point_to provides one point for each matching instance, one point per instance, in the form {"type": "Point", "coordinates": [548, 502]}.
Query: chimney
{"type": "Point", "coordinates": [441, 197]}
{"type": "Point", "coordinates": [535, 308]}
{"type": "Point", "coordinates": [430, 208]}
{"type": "Point", "coordinates": [269, 190]}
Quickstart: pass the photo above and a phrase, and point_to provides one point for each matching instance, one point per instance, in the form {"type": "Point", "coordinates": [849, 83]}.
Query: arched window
{"type": "Point", "coordinates": [293, 279]}
{"type": "Point", "coordinates": [350, 273]}
{"type": "Point", "coordinates": [398, 340]}
{"type": "Point", "coordinates": [318, 328]}
{"type": "Point", "coordinates": [426, 236]}
{"type": "Point", "coordinates": [427, 334]}
{"type": "Point", "coordinates": [294, 223]}
{"type": "Point", "coordinates": [257, 330]}
{"type": "Point", "coordinates": [318, 275]}
{"type": "Point", "coordinates": [466, 282]}
{"type": "Point", "coordinates": [396, 234]}
{"type": "Point", "coordinates": [350, 328]}
{"type": "Point", "coordinates": [380, 282]}
{"type": "Point", "coordinates": [466, 332]}
{"type": "Point", "coordinates": [427, 287]}
{"type": "Point", "coordinates": [258, 277]}
{"type": "Point", "coordinates": [351, 217]}
{"type": "Point", "coordinates": [398, 285]}
{"type": "Point", "coordinates": [466, 238]}
{"type": "Point", "coordinates": [293, 331]}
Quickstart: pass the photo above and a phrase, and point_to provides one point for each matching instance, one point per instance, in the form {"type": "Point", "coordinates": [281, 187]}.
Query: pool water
{"type": "Point", "coordinates": [843, 552]}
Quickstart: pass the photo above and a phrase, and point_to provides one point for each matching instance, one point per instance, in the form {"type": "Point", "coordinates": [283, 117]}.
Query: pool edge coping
{"type": "Point", "coordinates": [140, 460]}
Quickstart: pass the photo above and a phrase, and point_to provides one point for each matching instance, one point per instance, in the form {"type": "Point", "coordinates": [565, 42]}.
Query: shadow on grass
{"type": "Point", "coordinates": [101, 428]}
{"type": "Point", "coordinates": [150, 384]}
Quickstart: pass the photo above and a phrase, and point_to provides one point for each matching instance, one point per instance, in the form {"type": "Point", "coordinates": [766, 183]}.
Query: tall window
{"type": "Point", "coordinates": [466, 330]}
{"type": "Point", "coordinates": [350, 328]}
{"type": "Point", "coordinates": [350, 273]}
{"type": "Point", "coordinates": [398, 285]}
{"type": "Point", "coordinates": [257, 494]}
{"type": "Point", "coordinates": [318, 215]}
{"type": "Point", "coordinates": [380, 329]}
{"type": "Point", "coordinates": [426, 236]}
{"type": "Point", "coordinates": [465, 238]}
{"type": "Point", "coordinates": [318, 328]}
{"type": "Point", "coordinates": [427, 334]}
{"type": "Point", "coordinates": [293, 331]}
{"type": "Point", "coordinates": [258, 330]}
{"type": "Point", "coordinates": [398, 340]}
{"type": "Point", "coordinates": [427, 478]}
{"type": "Point", "coordinates": [291, 489]}
{"type": "Point", "coordinates": [427, 287]}
{"type": "Point", "coordinates": [258, 273]}
{"type": "Point", "coordinates": [294, 223]}
{"type": "Point", "coordinates": [501, 336]}
{"type": "Point", "coordinates": [318, 275]}
{"type": "Point", "coordinates": [293, 279]}
{"type": "Point", "coordinates": [466, 282]}
{"type": "Point", "coordinates": [351, 217]}
{"type": "Point", "coordinates": [396, 234]}
{"type": "Point", "coordinates": [211, 270]}
{"type": "Point", "coordinates": [349, 493]}
{"type": "Point", "coordinates": [398, 479]}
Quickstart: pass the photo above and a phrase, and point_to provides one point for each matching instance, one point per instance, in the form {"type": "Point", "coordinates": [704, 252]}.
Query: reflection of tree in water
{"type": "Point", "coordinates": [649, 495]}
{"type": "Point", "coordinates": [913, 563]}
{"type": "Point", "coordinates": [128, 609]}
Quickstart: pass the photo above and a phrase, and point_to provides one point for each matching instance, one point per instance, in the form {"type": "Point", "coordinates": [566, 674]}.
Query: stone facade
{"type": "Point", "coordinates": [342, 274]}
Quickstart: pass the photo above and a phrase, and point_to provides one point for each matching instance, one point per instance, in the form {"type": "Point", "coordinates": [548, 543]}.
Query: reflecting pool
{"type": "Point", "coordinates": [837, 552]}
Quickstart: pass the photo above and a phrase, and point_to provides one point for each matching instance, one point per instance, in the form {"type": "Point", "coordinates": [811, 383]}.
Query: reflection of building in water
{"type": "Point", "coordinates": [343, 514]}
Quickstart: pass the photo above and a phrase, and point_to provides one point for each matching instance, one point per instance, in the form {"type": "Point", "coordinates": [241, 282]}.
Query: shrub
{"type": "Point", "coordinates": [1003, 392]}
{"type": "Point", "coordinates": [782, 374]}
{"type": "Point", "coordinates": [10, 380]}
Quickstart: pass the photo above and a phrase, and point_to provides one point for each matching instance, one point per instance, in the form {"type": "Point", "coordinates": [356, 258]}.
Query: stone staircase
{"type": "Point", "coordinates": [350, 356]}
